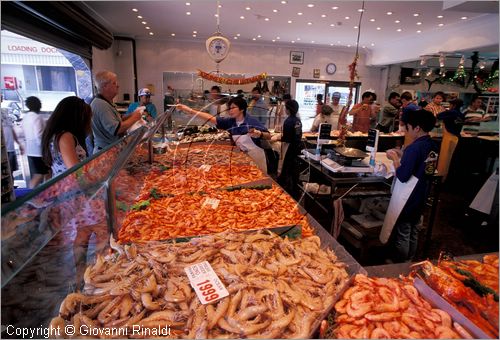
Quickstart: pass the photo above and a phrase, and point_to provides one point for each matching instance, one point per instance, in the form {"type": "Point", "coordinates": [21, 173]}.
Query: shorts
{"type": "Point", "coordinates": [37, 166]}
{"type": "Point", "coordinates": [13, 161]}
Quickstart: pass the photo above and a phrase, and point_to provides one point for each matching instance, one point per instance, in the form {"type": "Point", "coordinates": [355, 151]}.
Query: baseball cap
{"type": "Point", "coordinates": [336, 95]}
{"type": "Point", "coordinates": [144, 92]}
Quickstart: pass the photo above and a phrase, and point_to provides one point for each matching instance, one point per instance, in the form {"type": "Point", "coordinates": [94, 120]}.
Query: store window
{"type": "Point", "coordinates": [32, 68]}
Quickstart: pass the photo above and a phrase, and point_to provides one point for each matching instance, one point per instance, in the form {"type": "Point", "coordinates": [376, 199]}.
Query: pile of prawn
{"type": "Point", "coordinates": [390, 308]}
{"type": "Point", "coordinates": [278, 288]}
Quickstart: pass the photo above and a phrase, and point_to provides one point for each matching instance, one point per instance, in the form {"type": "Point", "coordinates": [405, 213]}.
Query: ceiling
{"type": "Point", "coordinates": [300, 22]}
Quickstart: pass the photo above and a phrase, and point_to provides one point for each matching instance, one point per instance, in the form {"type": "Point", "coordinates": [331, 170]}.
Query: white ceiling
{"type": "Point", "coordinates": [322, 23]}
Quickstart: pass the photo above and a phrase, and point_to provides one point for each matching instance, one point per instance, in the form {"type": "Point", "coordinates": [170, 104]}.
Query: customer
{"type": "Point", "coordinates": [63, 140]}
{"type": "Point", "coordinates": [144, 100]}
{"type": "Point", "coordinates": [107, 124]}
{"type": "Point", "coordinates": [258, 107]}
{"type": "Point", "coordinates": [413, 171]}
{"type": "Point", "coordinates": [247, 132]}
{"type": "Point", "coordinates": [291, 140]}
{"type": "Point", "coordinates": [364, 112]}
{"type": "Point", "coordinates": [326, 116]}
{"type": "Point", "coordinates": [217, 106]}
{"type": "Point", "coordinates": [435, 106]}
{"type": "Point", "coordinates": [10, 137]}
{"type": "Point", "coordinates": [390, 111]}
{"type": "Point", "coordinates": [319, 103]}
{"type": "Point", "coordinates": [33, 126]}
{"type": "Point", "coordinates": [474, 112]}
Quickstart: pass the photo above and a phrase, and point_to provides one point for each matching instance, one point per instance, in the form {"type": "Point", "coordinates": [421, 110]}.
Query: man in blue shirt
{"type": "Point", "coordinates": [418, 160]}
{"type": "Point", "coordinates": [144, 100]}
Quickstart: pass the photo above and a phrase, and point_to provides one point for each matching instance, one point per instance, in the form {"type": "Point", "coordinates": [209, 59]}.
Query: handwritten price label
{"type": "Point", "coordinates": [205, 282]}
{"type": "Point", "coordinates": [211, 202]}
{"type": "Point", "coordinates": [205, 167]}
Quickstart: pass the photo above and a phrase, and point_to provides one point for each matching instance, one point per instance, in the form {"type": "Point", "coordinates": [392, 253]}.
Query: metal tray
{"type": "Point", "coordinates": [350, 153]}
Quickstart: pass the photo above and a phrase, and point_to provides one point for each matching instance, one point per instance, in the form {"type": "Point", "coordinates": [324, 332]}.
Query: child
{"type": "Point", "coordinates": [413, 171]}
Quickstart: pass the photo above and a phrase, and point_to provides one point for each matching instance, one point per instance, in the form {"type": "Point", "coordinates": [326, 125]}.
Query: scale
{"type": "Point", "coordinates": [323, 138]}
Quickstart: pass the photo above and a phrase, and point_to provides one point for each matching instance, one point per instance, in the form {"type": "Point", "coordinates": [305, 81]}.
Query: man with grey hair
{"type": "Point", "coordinates": [107, 124]}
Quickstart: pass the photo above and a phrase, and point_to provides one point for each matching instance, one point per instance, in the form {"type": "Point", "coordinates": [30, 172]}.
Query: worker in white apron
{"type": "Point", "coordinates": [246, 131]}
{"type": "Point", "coordinates": [411, 185]}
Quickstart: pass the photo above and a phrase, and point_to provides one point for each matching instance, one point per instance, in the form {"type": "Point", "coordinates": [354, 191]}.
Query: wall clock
{"type": "Point", "coordinates": [331, 68]}
{"type": "Point", "coordinates": [218, 47]}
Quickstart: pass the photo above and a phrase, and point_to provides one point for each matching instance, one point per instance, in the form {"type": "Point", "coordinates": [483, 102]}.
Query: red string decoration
{"type": "Point", "coordinates": [231, 81]}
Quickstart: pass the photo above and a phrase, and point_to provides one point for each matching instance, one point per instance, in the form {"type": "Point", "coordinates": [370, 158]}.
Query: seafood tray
{"type": "Point", "coordinates": [388, 308]}
{"type": "Point", "coordinates": [279, 288]}
{"type": "Point", "coordinates": [469, 288]}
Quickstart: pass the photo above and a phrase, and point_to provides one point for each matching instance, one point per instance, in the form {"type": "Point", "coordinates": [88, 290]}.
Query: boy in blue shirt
{"type": "Point", "coordinates": [144, 100]}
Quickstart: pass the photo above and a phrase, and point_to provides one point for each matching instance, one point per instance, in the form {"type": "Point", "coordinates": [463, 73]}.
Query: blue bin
{"type": "Point", "coordinates": [20, 192]}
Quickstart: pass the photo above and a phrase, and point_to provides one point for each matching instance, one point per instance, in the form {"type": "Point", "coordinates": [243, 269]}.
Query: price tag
{"type": "Point", "coordinates": [211, 202]}
{"type": "Point", "coordinates": [205, 167]}
{"type": "Point", "coordinates": [205, 282]}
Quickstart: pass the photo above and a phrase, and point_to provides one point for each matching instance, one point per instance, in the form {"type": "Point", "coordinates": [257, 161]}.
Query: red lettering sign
{"type": "Point", "coordinates": [10, 83]}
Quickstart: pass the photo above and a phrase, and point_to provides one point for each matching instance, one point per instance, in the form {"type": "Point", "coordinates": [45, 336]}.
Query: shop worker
{"type": "Point", "coordinates": [107, 124]}
{"type": "Point", "coordinates": [144, 100]}
{"type": "Point", "coordinates": [335, 105]}
{"type": "Point", "coordinates": [246, 131]}
{"type": "Point", "coordinates": [413, 173]}
{"type": "Point", "coordinates": [363, 112]}
{"type": "Point", "coordinates": [390, 112]}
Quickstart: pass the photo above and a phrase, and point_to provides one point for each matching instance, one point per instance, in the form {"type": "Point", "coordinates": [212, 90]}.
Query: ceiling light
{"type": "Point", "coordinates": [298, 39]}
{"type": "Point", "coordinates": [139, 16]}
{"type": "Point", "coordinates": [289, 21]}
{"type": "Point", "coordinates": [419, 23]}
{"type": "Point", "coordinates": [259, 36]}
{"type": "Point", "coordinates": [266, 19]}
{"type": "Point", "coordinates": [151, 33]}
{"type": "Point", "coordinates": [144, 23]}
{"type": "Point", "coordinates": [348, 45]}
{"type": "Point", "coordinates": [220, 6]}
{"type": "Point", "coordinates": [335, 7]}
{"type": "Point", "coordinates": [331, 44]}
{"type": "Point", "coordinates": [379, 28]}
{"type": "Point", "coordinates": [397, 21]}
{"type": "Point", "coordinates": [173, 34]}
{"type": "Point", "coordinates": [440, 17]}
{"type": "Point", "coordinates": [399, 30]}
{"type": "Point", "coordinates": [188, 4]}
{"type": "Point", "coordinates": [355, 27]}
{"type": "Point", "coordinates": [389, 13]}
{"type": "Point", "coordinates": [254, 39]}
{"type": "Point", "coordinates": [188, 13]}
{"type": "Point", "coordinates": [416, 14]}
{"type": "Point", "coordinates": [135, 10]}
{"type": "Point", "coordinates": [284, 2]}
{"type": "Point", "coordinates": [347, 18]}
{"type": "Point", "coordinates": [242, 17]}
{"type": "Point", "coordinates": [293, 41]}
{"type": "Point", "coordinates": [419, 31]}
{"type": "Point", "coordinates": [441, 25]}
{"type": "Point", "coordinates": [463, 18]}
{"type": "Point", "coordinates": [323, 15]}
{"type": "Point", "coordinates": [216, 15]}
{"type": "Point", "coordinates": [372, 44]}
{"type": "Point", "coordinates": [278, 38]}
{"type": "Point", "coordinates": [361, 10]}
{"type": "Point", "coordinates": [338, 42]}
{"type": "Point", "coordinates": [275, 10]}
{"type": "Point", "coordinates": [247, 8]}
{"type": "Point", "coordinates": [147, 27]}
{"type": "Point", "coordinates": [372, 20]}
{"type": "Point", "coordinates": [194, 35]}
{"type": "Point", "coordinates": [300, 13]}
{"type": "Point", "coordinates": [331, 25]}
{"type": "Point", "coordinates": [273, 40]}
{"type": "Point", "coordinates": [364, 46]}
{"type": "Point", "coordinates": [312, 42]}
{"type": "Point", "coordinates": [235, 38]}
{"type": "Point", "coordinates": [238, 35]}
{"type": "Point", "coordinates": [195, 32]}
{"type": "Point", "coordinates": [309, 23]}
{"type": "Point", "coordinates": [310, 5]}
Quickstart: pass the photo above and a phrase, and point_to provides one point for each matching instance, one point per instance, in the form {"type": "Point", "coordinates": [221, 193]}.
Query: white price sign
{"type": "Point", "coordinates": [205, 282]}
{"type": "Point", "coordinates": [205, 167]}
{"type": "Point", "coordinates": [211, 202]}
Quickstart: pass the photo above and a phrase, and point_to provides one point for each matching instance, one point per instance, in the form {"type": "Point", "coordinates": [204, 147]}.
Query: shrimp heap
{"type": "Point", "coordinates": [388, 308]}
{"type": "Point", "coordinates": [278, 288]}
{"type": "Point", "coordinates": [189, 215]}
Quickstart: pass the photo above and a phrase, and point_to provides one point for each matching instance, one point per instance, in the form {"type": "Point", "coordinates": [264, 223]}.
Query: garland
{"type": "Point", "coordinates": [353, 74]}
{"type": "Point", "coordinates": [231, 81]}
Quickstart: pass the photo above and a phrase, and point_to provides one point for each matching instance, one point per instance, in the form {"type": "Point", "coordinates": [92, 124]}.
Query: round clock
{"type": "Point", "coordinates": [218, 47]}
{"type": "Point", "coordinates": [331, 68]}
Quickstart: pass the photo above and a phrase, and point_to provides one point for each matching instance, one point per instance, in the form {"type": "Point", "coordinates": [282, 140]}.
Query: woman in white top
{"type": "Point", "coordinates": [33, 126]}
{"type": "Point", "coordinates": [64, 137]}
{"type": "Point", "coordinates": [325, 116]}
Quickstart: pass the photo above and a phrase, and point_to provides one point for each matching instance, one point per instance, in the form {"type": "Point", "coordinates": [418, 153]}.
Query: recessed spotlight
{"type": "Point", "coordinates": [195, 32]}
{"type": "Point", "coordinates": [188, 4]}
{"type": "Point", "coordinates": [323, 15]}
{"type": "Point", "coordinates": [293, 41]}
{"type": "Point", "coordinates": [254, 39]}
{"type": "Point", "coordinates": [397, 21]}
{"type": "Point", "coordinates": [284, 2]}
{"type": "Point", "coordinates": [372, 20]}
{"type": "Point", "coordinates": [216, 15]}
{"type": "Point", "coordinates": [399, 30]}
{"type": "Point", "coordinates": [135, 10]}
{"type": "Point", "coordinates": [275, 10]}
{"type": "Point", "coordinates": [331, 25]}
{"type": "Point", "coordinates": [419, 31]}
{"type": "Point", "coordinates": [361, 10]}
{"type": "Point", "coordinates": [347, 18]}
{"type": "Point", "coordinates": [355, 27]}
{"type": "Point", "coordinates": [389, 13]}
{"type": "Point", "coordinates": [309, 23]}
{"type": "Point", "coordinates": [300, 13]}
{"type": "Point", "coordinates": [273, 40]}
{"type": "Point", "coordinates": [259, 36]}
{"type": "Point", "coordinates": [463, 18]}
{"type": "Point", "coordinates": [416, 14]}
{"type": "Point", "coordinates": [364, 46]}
{"type": "Point", "coordinates": [310, 5]}
{"type": "Point", "coordinates": [338, 42]}
{"type": "Point", "coordinates": [238, 35]}
{"type": "Point", "coordinates": [372, 44]}
{"type": "Point", "coordinates": [440, 17]}
{"type": "Point", "coordinates": [312, 41]}
{"type": "Point", "coordinates": [188, 13]}
{"type": "Point", "coordinates": [173, 34]}
{"type": "Point", "coordinates": [289, 21]}
{"type": "Point", "coordinates": [220, 6]}
{"type": "Point", "coordinates": [298, 39]}
{"type": "Point", "coordinates": [194, 35]}
{"type": "Point", "coordinates": [348, 45]}
{"type": "Point", "coordinates": [242, 17]}
{"type": "Point", "coordinates": [266, 19]}
{"type": "Point", "coordinates": [235, 38]}
{"type": "Point", "coordinates": [278, 38]}
{"type": "Point", "coordinates": [441, 25]}
{"type": "Point", "coordinates": [247, 8]}
{"type": "Point", "coordinates": [331, 44]}
{"type": "Point", "coordinates": [147, 27]}
{"type": "Point", "coordinates": [139, 16]}
{"type": "Point", "coordinates": [379, 28]}
{"type": "Point", "coordinates": [151, 33]}
{"type": "Point", "coordinates": [335, 7]}
{"type": "Point", "coordinates": [144, 23]}
{"type": "Point", "coordinates": [419, 23]}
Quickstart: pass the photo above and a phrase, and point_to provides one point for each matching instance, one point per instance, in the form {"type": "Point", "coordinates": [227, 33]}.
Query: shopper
{"type": "Point", "coordinates": [390, 112]}
{"type": "Point", "coordinates": [107, 124]}
{"type": "Point", "coordinates": [453, 118]}
{"type": "Point", "coordinates": [33, 126]}
{"type": "Point", "coordinates": [364, 112]}
{"type": "Point", "coordinates": [258, 107]}
{"type": "Point", "coordinates": [10, 137]}
{"type": "Point", "coordinates": [319, 103]}
{"type": "Point", "coordinates": [144, 100]}
{"type": "Point", "coordinates": [435, 106]}
{"type": "Point", "coordinates": [326, 116]}
{"type": "Point", "coordinates": [291, 141]}
{"type": "Point", "coordinates": [474, 112]}
{"type": "Point", "coordinates": [246, 131]}
{"type": "Point", "coordinates": [63, 140]}
{"type": "Point", "coordinates": [413, 171]}
{"type": "Point", "coordinates": [335, 105]}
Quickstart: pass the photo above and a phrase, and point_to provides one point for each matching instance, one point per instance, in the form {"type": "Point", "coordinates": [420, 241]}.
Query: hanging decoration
{"type": "Point", "coordinates": [441, 60]}
{"type": "Point", "coordinates": [231, 81]}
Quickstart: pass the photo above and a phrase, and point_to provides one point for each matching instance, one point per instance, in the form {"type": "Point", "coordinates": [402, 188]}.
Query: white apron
{"type": "Point", "coordinates": [484, 198]}
{"type": "Point", "coordinates": [246, 144]}
{"type": "Point", "coordinates": [400, 194]}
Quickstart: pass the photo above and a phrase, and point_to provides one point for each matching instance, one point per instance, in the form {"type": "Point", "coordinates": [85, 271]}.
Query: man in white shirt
{"type": "Point", "coordinates": [336, 107]}
{"type": "Point", "coordinates": [33, 126]}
